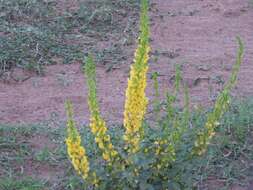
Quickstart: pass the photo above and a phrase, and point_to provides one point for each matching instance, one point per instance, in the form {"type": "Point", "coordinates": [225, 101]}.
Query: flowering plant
{"type": "Point", "coordinates": [139, 156]}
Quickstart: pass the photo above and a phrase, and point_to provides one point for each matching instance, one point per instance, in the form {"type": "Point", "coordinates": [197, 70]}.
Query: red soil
{"type": "Point", "coordinates": [198, 34]}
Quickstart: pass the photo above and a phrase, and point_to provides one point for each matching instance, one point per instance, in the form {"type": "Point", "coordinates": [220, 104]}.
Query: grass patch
{"type": "Point", "coordinates": [34, 156]}
{"type": "Point", "coordinates": [22, 184]}
{"type": "Point", "coordinates": [34, 33]}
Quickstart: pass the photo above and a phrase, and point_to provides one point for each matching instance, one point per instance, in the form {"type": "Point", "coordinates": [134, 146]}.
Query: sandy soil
{"type": "Point", "coordinates": [199, 35]}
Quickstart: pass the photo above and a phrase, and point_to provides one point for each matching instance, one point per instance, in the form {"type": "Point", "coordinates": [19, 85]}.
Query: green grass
{"type": "Point", "coordinates": [229, 160]}
{"type": "Point", "coordinates": [21, 184]}
{"type": "Point", "coordinates": [230, 157]}
{"type": "Point", "coordinates": [34, 33]}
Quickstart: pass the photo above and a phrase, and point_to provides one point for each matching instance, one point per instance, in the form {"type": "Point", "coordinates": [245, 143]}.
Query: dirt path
{"type": "Point", "coordinates": [199, 35]}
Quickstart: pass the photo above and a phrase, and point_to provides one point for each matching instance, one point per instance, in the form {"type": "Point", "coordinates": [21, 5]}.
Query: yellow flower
{"type": "Point", "coordinates": [106, 156]}
{"type": "Point", "coordinates": [76, 152]}
{"type": "Point", "coordinates": [95, 180]}
{"type": "Point", "coordinates": [101, 145]}
{"type": "Point", "coordinates": [136, 100]}
{"type": "Point", "coordinates": [97, 124]}
{"type": "Point", "coordinates": [78, 157]}
{"type": "Point", "coordinates": [110, 146]}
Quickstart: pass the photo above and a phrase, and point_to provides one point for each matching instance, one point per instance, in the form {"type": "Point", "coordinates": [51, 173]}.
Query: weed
{"type": "Point", "coordinates": [161, 157]}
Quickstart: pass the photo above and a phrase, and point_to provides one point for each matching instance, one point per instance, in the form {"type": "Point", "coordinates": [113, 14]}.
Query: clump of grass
{"type": "Point", "coordinates": [21, 184]}
{"type": "Point", "coordinates": [29, 36]}
{"type": "Point", "coordinates": [34, 33]}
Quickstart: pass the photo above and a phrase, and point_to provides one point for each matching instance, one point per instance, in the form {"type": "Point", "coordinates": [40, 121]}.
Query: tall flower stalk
{"type": "Point", "coordinates": [136, 100]}
{"type": "Point", "coordinates": [97, 124]}
{"type": "Point", "coordinates": [221, 105]}
{"type": "Point", "coordinates": [76, 152]}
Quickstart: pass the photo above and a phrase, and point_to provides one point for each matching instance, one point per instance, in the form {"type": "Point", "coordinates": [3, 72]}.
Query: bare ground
{"type": "Point", "coordinates": [199, 35]}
